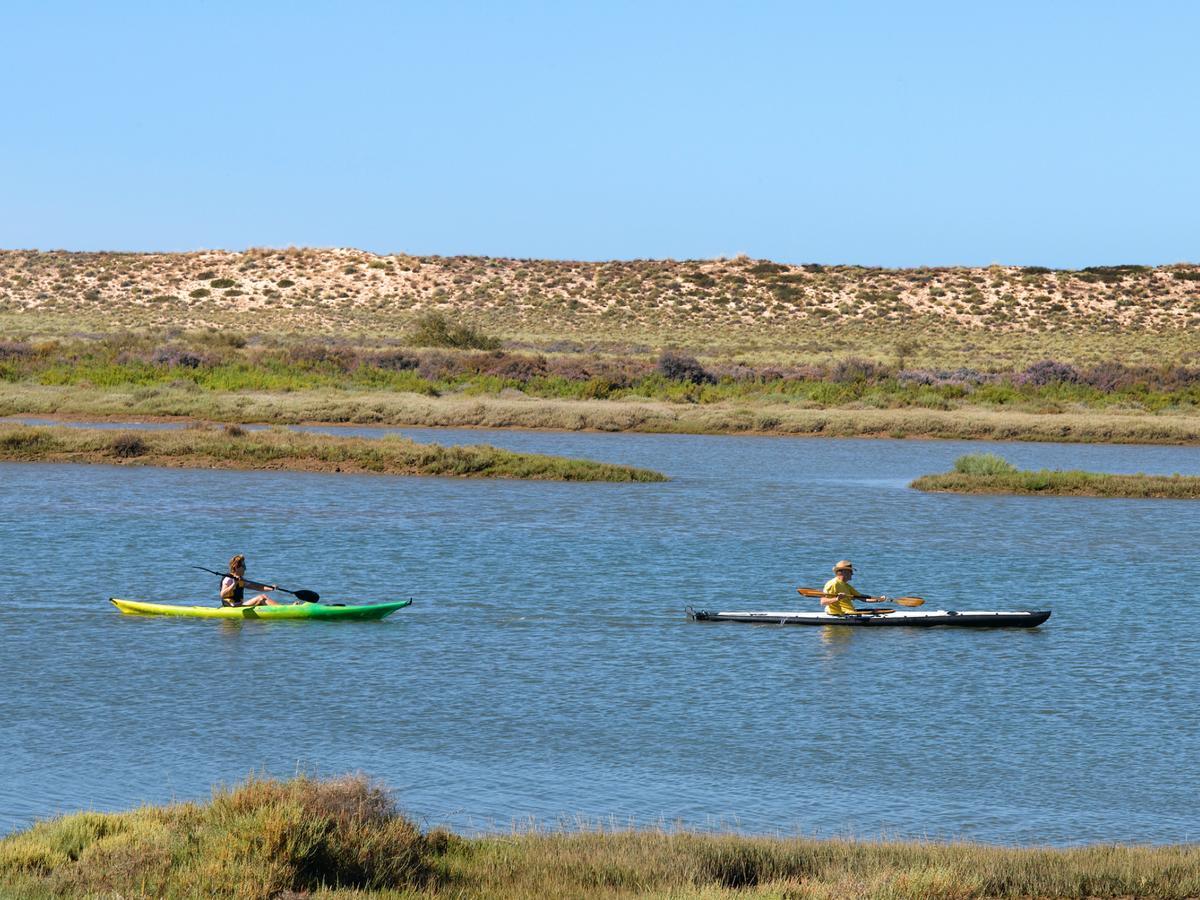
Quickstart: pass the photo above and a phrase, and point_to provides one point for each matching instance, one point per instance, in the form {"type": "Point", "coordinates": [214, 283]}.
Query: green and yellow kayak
{"type": "Point", "coordinates": [299, 611]}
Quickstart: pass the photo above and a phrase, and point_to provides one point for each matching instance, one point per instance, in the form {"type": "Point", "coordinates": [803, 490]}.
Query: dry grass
{"type": "Point", "coordinates": [390, 408]}
{"type": "Point", "coordinates": [344, 839]}
{"type": "Point", "coordinates": [1001, 315]}
{"type": "Point", "coordinates": [281, 449]}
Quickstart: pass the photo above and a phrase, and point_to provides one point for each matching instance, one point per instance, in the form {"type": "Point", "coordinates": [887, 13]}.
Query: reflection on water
{"type": "Point", "coordinates": [546, 668]}
{"type": "Point", "coordinates": [835, 641]}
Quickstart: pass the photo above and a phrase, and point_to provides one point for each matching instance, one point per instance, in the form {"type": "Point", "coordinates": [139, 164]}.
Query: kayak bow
{"type": "Point", "coordinates": [869, 619]}
{"type": "Point", "coordinates": [300, 611]}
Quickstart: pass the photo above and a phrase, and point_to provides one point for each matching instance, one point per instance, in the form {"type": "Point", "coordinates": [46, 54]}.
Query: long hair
{"type": "Point", "coordinates": [239, 560]}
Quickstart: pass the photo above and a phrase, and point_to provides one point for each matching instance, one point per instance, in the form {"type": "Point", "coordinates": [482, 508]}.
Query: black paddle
{"type": "Point", "coordinates": [306, 596]}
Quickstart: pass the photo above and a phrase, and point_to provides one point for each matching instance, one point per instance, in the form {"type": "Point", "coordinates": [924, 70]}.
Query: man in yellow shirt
{"type": "Point", "coordinates": [840, 594]}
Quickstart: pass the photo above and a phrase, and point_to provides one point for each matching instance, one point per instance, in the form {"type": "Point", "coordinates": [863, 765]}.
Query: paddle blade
{"type": "Point", "coordinates": [307, 596]}
{"type": "Point", "coordinates": [908, 601]}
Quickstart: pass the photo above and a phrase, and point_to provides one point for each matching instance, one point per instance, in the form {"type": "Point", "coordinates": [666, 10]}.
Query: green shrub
{"type": "Point", "coordinates": [435, 330]}
{"type": "Point", "coordinates": [983, 464]}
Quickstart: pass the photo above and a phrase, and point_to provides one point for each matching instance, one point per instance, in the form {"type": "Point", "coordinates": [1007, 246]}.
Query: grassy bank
{"type": "Point", "coordinates": [344, 839]}
{"type": "Point", "coordinates": [654, 416]}
{"type": "Point", "coordinates": [986, 473]}
{"type": "Point", "coordinates": [236, 448]}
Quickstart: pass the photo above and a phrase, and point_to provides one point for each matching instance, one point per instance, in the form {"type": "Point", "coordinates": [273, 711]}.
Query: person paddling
{"type": "Point", "coordinates": [840, 594]}
{"type": "Point", "coordinates": [233, 587]}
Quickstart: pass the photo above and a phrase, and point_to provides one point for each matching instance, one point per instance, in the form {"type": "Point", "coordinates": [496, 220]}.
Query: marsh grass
{"type": "Point", "coordinates": [986, 473]}
{"type": "Point", "coordinates": [465, 410]}
{"type": "Point", "coordinates": [983, 464]}
{"type": "Point", "coordinates": [223, 362]}
{"type": "Point", "coordinates": [283, 449]}
{"type": "Point", "coordinates": [344, 838]}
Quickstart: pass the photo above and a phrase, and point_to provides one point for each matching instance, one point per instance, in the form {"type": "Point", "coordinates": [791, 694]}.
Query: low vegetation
{"type": "Point", "coordinates": [225, 361]}
{"type": "Point", "coordinates": [344, 838]}
{"type": "Point", "coordinates": [1099, 354]}
{"type": "Point", "coordinates": [987, 473]}
{"type": "Point", "coordinates": [238, 448]}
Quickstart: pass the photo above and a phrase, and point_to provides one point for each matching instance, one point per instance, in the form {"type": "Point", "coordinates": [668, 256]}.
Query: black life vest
{"type": "Point", "coordinates": [239, 594]}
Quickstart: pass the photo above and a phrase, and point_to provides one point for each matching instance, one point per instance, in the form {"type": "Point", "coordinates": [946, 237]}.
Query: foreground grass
{"type": "Point", "coordinates": [236, 448]}
{"type": "Point", "coordinates": [344, 839]}
{"type": "Point", "coordinates": [990, 474]}
{"type": "Point", "coordinates": [465, 411]}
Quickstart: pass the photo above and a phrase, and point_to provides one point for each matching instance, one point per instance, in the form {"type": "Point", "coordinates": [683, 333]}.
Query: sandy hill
{"type": "Point", "coordinates": [346, 291]}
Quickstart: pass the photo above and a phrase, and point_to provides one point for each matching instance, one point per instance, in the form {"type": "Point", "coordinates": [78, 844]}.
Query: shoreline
{"type": "Point", "coordinates": [397, 409]}
{"type": "Point", "coordinates": [345, 838]}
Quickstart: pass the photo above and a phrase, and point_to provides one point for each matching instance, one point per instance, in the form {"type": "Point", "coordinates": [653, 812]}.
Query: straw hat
{"type": "Point", "coordinates": [843, 564]}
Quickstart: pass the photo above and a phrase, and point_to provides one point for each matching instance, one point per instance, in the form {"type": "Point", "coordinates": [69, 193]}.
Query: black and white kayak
{"type": "Point", "coordinates": [878, 618]}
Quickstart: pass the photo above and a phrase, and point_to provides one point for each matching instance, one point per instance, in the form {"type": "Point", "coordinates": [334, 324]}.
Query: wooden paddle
{"type": "Point", "coordinates": [903, 601]}
{"type": "Point", "coordinates": [306, 596]}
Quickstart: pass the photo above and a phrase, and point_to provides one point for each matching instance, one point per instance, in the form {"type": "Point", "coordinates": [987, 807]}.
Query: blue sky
{"type": "Point", "coordinates": [1060, 134]}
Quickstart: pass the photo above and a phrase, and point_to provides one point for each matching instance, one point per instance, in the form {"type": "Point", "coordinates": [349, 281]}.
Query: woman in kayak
{"type": "Point", "coordinates": [840, 594]}
{"type": "Point", "coordinates": [233, 587]}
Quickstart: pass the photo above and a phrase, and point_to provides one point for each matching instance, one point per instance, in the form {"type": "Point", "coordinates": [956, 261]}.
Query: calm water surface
{"type": "Point", "coordinates": [546, 671]}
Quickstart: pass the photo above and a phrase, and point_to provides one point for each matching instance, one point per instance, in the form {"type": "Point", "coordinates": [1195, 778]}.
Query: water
{"type": "Point", "coordinates": [546, 671]}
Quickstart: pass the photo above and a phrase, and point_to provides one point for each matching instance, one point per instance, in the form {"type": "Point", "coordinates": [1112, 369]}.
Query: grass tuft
{"type": "Point", "coordinates": [983, 464]}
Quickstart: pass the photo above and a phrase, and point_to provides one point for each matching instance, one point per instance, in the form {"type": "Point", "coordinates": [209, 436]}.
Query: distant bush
{"type": "Point", "coordinates": [1111, 274]}
{"type": "Point", "coordinates": [285, 282]}
{"type": "Point", "coordinates": [1186, 274]}
{"type": "Point", "coordinates": [390, 360]}
{"type": "Point", "coordinates": [206, 275]}
{"type": "Point", "coordinates": [435, 330]}
{"type": "Point", "coordinates": [199, 293]}
{"type": "Point", "coordinates": [618, 373]}
{"type": "Point", "coordinates": [312, 354]}
{"type": "Point", "coordinates": [14, 349]}
{"type": "Point", "coordinates": [961, 377]}
{"type": "Point", "coordinates": [848, 371]}
{"type": "Point", "coordinates": [222, 283]}
{"type": "Point", "coordinates": [1035, 270]}
{"type": "Point", "coordinates": [437, 366]}
{"type": "Point", "coordinates": [1047, 372]}
{"type": "Point", "coordinates": [128, 445]}
{"type": "Point", "coordinates": [681, 367]}
{"type": "Point", "coordinates": [519, 368]}
{"type": "Point", "coordinates": [983, 464]}
{"type": "Point", "coordinates": [178, 356]}
{"type": "Point", "coordinates": [767, 268]}
{"type": "Point", "coordinates": [1113, 376]}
